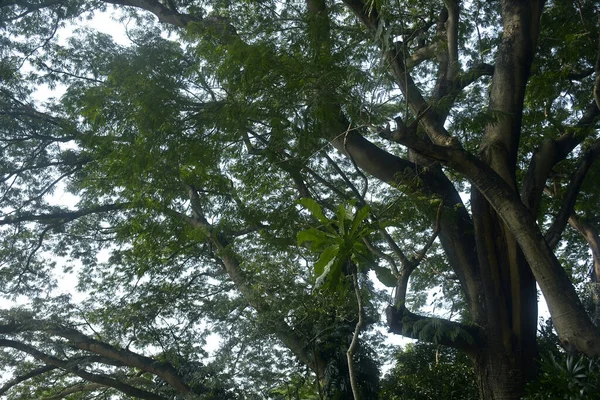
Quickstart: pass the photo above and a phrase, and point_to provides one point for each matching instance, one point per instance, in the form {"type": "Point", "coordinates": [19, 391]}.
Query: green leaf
{"type": "Point", "coordinates": [326, 258]}
{"type": "Point", "coordinates": [385, 276]}
{"type": "Point", "coordinates": [359, 218]}
{"type": "Point", "coordinates": [314, 208]}
{"type": "Point", "coordinates": [341, 219]}
{"type": "Point", "coordinates": [315, 236]}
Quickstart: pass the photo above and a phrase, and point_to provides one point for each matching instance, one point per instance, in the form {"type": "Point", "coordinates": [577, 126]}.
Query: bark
{"type": "Point", "coordinates": [590, 234]}
{"type": "Point", "coordinates": [507, 361]}
{"type": "Point", "coordinates": [554, 233]}
{"type": "Point", "coordinates": [497, 378]}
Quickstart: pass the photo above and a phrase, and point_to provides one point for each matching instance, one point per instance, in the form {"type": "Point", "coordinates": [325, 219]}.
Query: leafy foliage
{"type": "Point", "coordinates": [566, 377]}
{"type": "Point", "coordinates": [339, 241]}
{"type": "Point", "coordinates": [234, 162]}
{"type": "Point", "coordinates": [425, 371]}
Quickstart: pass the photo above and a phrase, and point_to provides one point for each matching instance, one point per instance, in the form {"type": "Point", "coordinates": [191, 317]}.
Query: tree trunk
{"type": "Point", "coordinates": [499, 376]}
{"type": "Point", "coordinates": [507, 360]}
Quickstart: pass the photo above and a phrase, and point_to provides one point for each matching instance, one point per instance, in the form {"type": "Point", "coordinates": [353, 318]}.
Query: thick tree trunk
{"type": "Point", "coordinates": [507, 359]}
{"type": "Point", "coordinates": [500, 377]}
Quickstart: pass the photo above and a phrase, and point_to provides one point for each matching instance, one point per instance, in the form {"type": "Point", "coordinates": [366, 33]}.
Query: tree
{"type": "Point", "coordinates": [189, 151]}
{"type": "Point", "coordinates": [426, 371]}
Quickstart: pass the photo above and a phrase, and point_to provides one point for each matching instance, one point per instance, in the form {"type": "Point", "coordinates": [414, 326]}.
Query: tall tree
{"type": "Point", "coordinates": [189, 152]}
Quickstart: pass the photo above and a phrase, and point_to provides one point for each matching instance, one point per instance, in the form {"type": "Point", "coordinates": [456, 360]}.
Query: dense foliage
{"type": "Point", "coordinates": [266, 176]}
{"type": "Point", "coordinates": [424, 371]}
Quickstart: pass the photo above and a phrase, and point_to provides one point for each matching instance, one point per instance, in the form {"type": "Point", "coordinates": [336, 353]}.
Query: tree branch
{"type": "Point", "coordinates": [432, 124]}
{"type": "Point", "coordinates": [162, 12]}
{"type": "Point", "coordinates": [22, 378]}
{"type": "Point", "coordinates": [555, 231]}
{"type": "Point", "coordinates": [465, 79]}
{"type": "Point", "coordinates": [456, 226]}
{"type": "Point", "coordinates": [434, 330]}
{"type": "Point", "coordinates": [224, 252]}
{"type": "Point", "coordinates": [550, 153]}
{"type": "Point", "coordinates": [422, 54]}
{"type": "Point", "coordinates": [590, 234]}
{"type": "Point", "coordinates": [62, 217]}
{"type": "Point", "coordinates": [452, 37]}
{"type": "Point", "coordinates": [596, 89]}
{"type": "Point", "coordinates": [75, 389]}
{"type": "Point", "coordinates": [213, 25]}
{"type": "Point", "coordinates": [409, 265]}
{"type": "Point", "coordinates": [83, 342]}
{"type": "Point", "coordinates": [564, 303]}
{"type": "Point", "coordinates": [66, 366]}
{"type": "Point", "coordinates": [434, 235]}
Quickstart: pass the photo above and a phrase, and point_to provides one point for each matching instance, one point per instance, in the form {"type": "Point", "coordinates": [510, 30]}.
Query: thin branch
{"type": "Point", "coordinates": [346, 180]}
{"type": "Point", "coordinates": [354, 344]}
{"type": "Point", "coordinates": [373, 249]}
{"type": "Point", "coordinates": [75, 389]}
{"type": "Point", "coordinates": [229, 260]}
{"type": "Point", "coordinates": [22, 378]}
{"type": "Point", "coordinates": [436, 231]}
{"type": "Point", "coordinates": [17, 171]}
{"type": "Point", "coordinates": [366, 186]}
{"type": "Point", "coordinates": [596, 90]}
{"type": "Point", "coordinates": [61, 217]}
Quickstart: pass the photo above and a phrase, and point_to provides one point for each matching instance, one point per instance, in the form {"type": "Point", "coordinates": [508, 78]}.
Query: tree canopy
{"type": "Point", "coordinates": [258, 171]}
